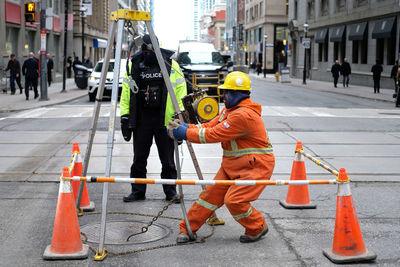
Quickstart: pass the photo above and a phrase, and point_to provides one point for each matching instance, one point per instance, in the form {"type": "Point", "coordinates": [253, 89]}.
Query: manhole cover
{"type": "Point", "coordinates": [118, 231]}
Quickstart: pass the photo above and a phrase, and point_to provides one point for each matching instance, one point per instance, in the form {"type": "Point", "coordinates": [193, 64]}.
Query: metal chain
{"type": "Point", "coordinates": [155, 218]}
{"type": "Point", "coordinates": [145, 229]}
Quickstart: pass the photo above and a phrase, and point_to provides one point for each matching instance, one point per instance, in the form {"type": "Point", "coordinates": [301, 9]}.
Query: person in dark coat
{"type": "Point", "coordinates": [69, 67]}
{"type": "Point", "coordinates": [346, 71]}
{"type": "Point", "coordinates": [335, 72]}
{"type": "Point", "coordinates": [376, 73]}
{"type": "Point", "coordinates": [50, 69]}
{"type": "Point", "coordinates": [87, 63]}
{"type": "Point", "coordinates": [258, 68]}
{"type": "Point", "coordinates": [30, 69]}
{"type": "Point", "coordinates": [393, 75]}
{"type": "Point", "coordinates": [15, 73]}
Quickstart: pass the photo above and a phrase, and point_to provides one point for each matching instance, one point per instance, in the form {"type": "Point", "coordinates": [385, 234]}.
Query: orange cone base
{"type": "Point", "coordinates": [48, 255]}
{"type": "Point", "coordinates": [296, 206]}
{"type": "Point", "coordinates": [90, 207]}
{"type": "Point", "coordinates": [335, 258]}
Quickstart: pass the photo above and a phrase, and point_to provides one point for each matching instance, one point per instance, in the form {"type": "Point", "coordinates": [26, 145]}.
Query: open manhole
{"type": "Point", "coordinates": [118, 231]}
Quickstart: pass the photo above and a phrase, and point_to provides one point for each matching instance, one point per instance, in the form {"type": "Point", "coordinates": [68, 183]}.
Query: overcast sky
{"type": "Point", "coordinates": [172, 21]}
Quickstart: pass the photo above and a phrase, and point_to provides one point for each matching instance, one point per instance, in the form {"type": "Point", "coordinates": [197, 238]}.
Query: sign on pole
{"type": "Point", "coordinates": [87, 4]}
{"type": "Point", "coordinates": [306, 42]}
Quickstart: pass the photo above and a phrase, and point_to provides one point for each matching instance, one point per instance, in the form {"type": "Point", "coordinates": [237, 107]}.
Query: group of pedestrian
{"type": "Point", "coordinates": [344, 70]}
{"type": "Point", "coordinates": [30, 69]}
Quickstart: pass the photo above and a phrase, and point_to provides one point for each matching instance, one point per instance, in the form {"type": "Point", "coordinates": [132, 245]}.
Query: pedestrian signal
{"type": "Point", "coordinates": [30, 12]}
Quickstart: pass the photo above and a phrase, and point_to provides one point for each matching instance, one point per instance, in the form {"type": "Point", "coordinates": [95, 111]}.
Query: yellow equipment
{"type": "Point", "coordinates": [210, 82]}
{"type": "Point", "coordinates": [199, 107]}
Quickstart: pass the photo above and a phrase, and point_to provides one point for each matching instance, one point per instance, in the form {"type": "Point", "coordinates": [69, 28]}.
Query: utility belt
{"type": "Point", "coordinates": [150, 96]}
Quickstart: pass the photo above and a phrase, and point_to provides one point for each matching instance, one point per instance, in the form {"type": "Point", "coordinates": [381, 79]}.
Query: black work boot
{"type": "Point", "coordinates": [253, 238]}
{"type": "Point", "coordinates": [133, 197]}
{"type": "Point", "coordinates": [170, 197]}
{"type": "Point", "coordinates": [184, 238]}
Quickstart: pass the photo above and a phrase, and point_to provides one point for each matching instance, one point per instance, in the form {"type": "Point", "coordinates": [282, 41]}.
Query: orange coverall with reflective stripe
{"type": "Point", "coordinates": [247, 156]}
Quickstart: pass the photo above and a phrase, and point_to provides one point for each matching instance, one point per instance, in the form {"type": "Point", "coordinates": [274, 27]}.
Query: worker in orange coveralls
{"type": "Point", "coordinates": [247, 155]}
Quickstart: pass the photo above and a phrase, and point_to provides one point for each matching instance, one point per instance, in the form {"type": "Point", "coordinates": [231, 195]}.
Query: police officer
{"type": "Point", "coordinates": [145, 109]}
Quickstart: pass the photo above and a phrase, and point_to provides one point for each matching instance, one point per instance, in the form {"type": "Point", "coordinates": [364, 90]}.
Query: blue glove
{"type": "Point", "coordinates": [180, 132]}
{"type": "Point", "coordinates": [184, 124]}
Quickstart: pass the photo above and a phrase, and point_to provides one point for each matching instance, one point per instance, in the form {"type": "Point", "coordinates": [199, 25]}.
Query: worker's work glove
{"type": "Point", "coordinates": [126, 131]}
{"type": "Point", "coordinates": [176, 129]}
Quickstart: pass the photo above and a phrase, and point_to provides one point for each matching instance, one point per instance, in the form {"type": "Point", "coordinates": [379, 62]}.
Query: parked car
{"type": "Point", "coordinates": [94, 79]}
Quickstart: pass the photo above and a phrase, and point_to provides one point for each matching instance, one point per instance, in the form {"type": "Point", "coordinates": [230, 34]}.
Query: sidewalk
{"type": "Point", "coordinates": [18, 102]}
{"type": "Point", "coordinates": [353, 90]}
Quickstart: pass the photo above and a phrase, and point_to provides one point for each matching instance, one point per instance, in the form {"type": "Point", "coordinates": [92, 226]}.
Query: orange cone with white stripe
{"type": "Point", "coordinates": [348, 243]}
{"type": "Point", "coordinates": [66, 242]}
{"type": "Point", "coordinates": [86, 204]}
{"type": "Point", "coordinates": [297, 196]}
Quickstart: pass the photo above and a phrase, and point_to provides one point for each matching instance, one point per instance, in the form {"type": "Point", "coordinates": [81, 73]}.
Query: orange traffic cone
{"type": "Point", "coordinates": [86, 204]}
{"type": "Point", "coordinates": [66, 242]}
{"type": "Point", "coordinates": [348, 244]}
{"type": "Point", "coordinates": [297, 196]}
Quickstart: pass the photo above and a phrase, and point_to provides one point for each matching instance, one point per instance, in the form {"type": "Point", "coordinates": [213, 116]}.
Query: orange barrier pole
{"type": "Point", "coordinates": [100, 179]}
{"type": "Point", "coordinates": [348, 244]}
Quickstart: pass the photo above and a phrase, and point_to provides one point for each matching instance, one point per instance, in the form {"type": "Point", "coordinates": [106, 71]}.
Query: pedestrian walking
{"type": "Point", "coordinates": [335, 72]}
{"type": "Point", "coordinates": [247, 155]}
{"type": "Point", "coordinates": [282, 59]}
{"type": "Point", "coordinates": [145, 114]}
{"type": "Point", "coordinates": [393, 75]}
{"type": "Point", "coordinates": [398, 88]}
{"type": "Point", "coordinates": [30, 69]}
{"type": "Point", "coordinates": [69, 67]}
{"type": "Point", "coordinates": [258, 68]}
{"type": "Point", "coordinates": [376, 74]}
{"type": "Point", "coordinates": [87, 62]}
{"type": "Point", "coordinates": [346, 71]}
{"type": "Point", "coordinates": [50, 68]}
{"type": "Point", "coordinates": [15, 73]}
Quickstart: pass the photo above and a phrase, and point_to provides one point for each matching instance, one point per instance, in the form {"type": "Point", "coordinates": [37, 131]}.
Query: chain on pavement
{"type": "Point", "coordinates": [145, 229]}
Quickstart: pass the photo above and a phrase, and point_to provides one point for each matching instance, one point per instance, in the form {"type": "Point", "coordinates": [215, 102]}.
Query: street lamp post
{"type": "Point", "coordinates": [265, 55]}
{"type": "Point", "coordinates": [305, 54]}
{"type": "Point", "coordinates": [83, 15]}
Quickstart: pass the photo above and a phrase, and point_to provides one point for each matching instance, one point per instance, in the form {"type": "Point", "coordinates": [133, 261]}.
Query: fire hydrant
{"type": "Point", "coordinates": [277, 77]}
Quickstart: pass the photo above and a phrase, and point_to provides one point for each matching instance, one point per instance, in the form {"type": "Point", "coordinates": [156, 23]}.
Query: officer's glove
{"type": "Point", "coordinates": [126, 131]}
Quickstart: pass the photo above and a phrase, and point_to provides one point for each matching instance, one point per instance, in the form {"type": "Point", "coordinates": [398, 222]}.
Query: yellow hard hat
{"type": "Point", "coordinates": [236, 80]}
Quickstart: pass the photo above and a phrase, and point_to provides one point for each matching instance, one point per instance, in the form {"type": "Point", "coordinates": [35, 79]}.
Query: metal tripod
{"type": "Point", "coordinates": [118, 18]}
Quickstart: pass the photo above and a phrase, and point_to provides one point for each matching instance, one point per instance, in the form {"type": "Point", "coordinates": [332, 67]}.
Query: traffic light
{"type": "Point", "coordinates": [30, 12]}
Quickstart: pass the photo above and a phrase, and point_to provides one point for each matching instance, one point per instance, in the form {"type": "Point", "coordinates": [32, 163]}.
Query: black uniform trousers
{"type": "Point", "coordinates": [142, 141]}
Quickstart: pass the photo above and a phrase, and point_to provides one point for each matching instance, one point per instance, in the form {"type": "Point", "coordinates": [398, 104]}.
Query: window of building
{"type": "Point", "coordinates": [364, 51]}
{"type": "Point", "coordinates": [320, 51]}
{"type": "Point", "coordinates": [324, 7]}
{"type": "Point", "coordinates": [255, 11]}
{"type": "Point", "coordinates": [323, 52]}
{"type": "Point", "coordinates": [251, 14]}
{"type": "Point", "coordinates": [335, 51]}
{"type": "Point", "coordinates": [310, 10]}
{"type": "Point", "coordinates": [261, 9]}
{"type": "Point", "coordinates": [359, 3]}
{"type": "Point", "coordinates": [247, 37]}
{"type": "Point", "coordinates": [260, 34]}
{"type": "Point", "coordinates": [391, 50]}
{"type": "Point", "coordinates": [295, 9]}
{"type": "Point", "coordinates": [340, 5]}
{"type": "Point", "coordinates": [287, 7]}
{"type": "Point", "coordinates": [380, 43]}
{"type": "Point", "coordinates": [247, 15]}
{"type": "Point", "coordinates": [56, 7]}
{"type": "Point", "coordinates": [326, 50]}
{"type": "Point", "coordinates": [355, 49]}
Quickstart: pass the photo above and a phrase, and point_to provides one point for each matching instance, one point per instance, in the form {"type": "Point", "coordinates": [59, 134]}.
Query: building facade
{"type": "Point", "coordinates": [20, 37]}
{"type": "Point", "coordinates": [266, 32]}
{"type": "Point", "coordinates": [363, 31]}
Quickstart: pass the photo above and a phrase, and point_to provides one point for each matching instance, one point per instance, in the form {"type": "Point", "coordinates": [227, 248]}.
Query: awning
{"type": "Point", "coordinates": [383, 28]}
{"type": "Point", "coordinates": [99, 43]}
{"type": "Point", "coordinates": [358, 31]}
{"type": "Point", "coordinates": [321, 36]}
{"type": "Point", "coordinates": [337, 34]}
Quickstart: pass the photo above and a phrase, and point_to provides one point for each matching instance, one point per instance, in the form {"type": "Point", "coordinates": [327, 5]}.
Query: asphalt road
{"type": "Point", "coordinates": [360, 135]}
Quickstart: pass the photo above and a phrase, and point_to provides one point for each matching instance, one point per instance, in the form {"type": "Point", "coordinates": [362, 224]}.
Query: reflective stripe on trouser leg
{"type": "Point", "coordinates": [209, 200]}
{"type": "Point", "coordinates": [238, 199]}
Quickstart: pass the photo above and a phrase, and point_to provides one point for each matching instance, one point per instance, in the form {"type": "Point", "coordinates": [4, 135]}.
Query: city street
{"type": "Point", "coordinates": [356, 133]}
